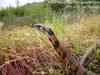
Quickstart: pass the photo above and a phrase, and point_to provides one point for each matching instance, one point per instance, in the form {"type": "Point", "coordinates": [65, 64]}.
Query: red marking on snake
{"type": "Point", "coordinates": [72, 66]}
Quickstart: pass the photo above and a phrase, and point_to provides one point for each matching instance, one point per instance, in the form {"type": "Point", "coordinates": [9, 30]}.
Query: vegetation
{"type": "Point", "coordinates": [19, 41]}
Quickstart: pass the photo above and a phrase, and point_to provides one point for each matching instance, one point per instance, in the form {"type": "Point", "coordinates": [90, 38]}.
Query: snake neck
{"type": "Point", "coordinates": [73, 67]}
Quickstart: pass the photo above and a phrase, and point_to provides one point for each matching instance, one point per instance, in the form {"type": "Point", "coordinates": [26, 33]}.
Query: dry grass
{"type": "Point", "coordinates": [35, 47]}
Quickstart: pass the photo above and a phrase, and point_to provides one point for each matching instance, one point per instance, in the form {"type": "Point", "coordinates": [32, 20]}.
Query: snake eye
{"type": "Point", "coordinates": [39, 27]}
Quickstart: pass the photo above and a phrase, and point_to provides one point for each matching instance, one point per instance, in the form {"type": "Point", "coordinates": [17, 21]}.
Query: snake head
{"type": "Point", "coordinates": [41, 27]}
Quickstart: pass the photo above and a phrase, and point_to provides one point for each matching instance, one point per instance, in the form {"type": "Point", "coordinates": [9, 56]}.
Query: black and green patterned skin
{"type": "Point", "coordinates": [72, 66]}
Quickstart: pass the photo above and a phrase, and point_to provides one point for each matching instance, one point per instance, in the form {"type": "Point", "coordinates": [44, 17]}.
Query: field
{"type": "Point", "coordinates": [24, 50]}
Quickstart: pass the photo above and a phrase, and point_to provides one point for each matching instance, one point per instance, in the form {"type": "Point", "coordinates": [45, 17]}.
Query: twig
{"type": "Point", "coordinates": [89, 52]}
{"type": "Point", "coordinates": [8, 62]}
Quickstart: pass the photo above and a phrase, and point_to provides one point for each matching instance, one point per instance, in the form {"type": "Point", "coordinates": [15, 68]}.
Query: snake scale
{"type": "Point", "coordinates": [72, 66]}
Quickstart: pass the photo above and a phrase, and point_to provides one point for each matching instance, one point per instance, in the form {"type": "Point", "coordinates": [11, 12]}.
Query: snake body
{"type": "Point", "coordinates": [72, 66]}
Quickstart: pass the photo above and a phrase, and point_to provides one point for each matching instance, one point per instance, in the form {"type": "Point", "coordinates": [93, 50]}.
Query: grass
{"type": "Point", "coordinates": [18, 36]}
{"type": "Point", "coordinates": [82, 35]}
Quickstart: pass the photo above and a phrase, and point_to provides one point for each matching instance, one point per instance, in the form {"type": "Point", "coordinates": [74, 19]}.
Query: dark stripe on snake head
{"type": "Point", "coordinates": [38, 26]}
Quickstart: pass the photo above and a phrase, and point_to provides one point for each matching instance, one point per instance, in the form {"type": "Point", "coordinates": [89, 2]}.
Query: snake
{"type": "Point", "coordinates": [72, 67]}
